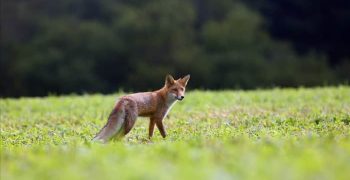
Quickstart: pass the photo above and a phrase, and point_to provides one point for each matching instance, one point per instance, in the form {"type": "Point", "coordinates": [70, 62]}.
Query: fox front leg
{"type": "Point", "coordinates": [152, 123]}
{"type": "Point", "coordinates": [158, 119]}
{"type": "Point", "coordinates": [161, 128]}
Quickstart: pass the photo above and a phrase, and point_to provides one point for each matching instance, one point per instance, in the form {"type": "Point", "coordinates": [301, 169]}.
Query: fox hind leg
{"type": "Point", "coordinates": [130, 116]}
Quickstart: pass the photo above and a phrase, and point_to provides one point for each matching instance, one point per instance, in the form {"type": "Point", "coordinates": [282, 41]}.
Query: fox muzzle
{"type": "Point", "coordinates": [180, 98]}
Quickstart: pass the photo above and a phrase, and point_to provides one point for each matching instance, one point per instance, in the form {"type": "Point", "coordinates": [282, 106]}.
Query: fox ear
{"type": "Point", "coordinates": [184, 80]}
{"type": "Point", "coordinates": [169, 80]}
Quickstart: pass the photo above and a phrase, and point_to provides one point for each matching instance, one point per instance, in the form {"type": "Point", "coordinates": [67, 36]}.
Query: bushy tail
{"type": "Point", "coordinates": [113, 128]}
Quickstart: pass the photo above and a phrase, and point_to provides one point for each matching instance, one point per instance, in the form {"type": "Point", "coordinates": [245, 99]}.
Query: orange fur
{"type": "Point", "coordinates": [154, 104]}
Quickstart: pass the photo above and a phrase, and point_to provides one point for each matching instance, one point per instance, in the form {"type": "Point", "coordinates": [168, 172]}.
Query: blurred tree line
{"type": "Point", "coordinates": [104, 45]}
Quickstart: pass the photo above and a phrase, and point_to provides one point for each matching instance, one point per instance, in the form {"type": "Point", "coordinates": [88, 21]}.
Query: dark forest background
{"type": "Point", "coordinates": [78, 46]}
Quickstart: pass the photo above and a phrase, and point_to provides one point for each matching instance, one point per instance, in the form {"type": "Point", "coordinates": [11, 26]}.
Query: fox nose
{"type": "Point", "coordinates": [181, 97]}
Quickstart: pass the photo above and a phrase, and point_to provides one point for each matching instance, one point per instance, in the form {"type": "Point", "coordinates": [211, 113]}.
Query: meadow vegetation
{"type": "Point", "coordinates": [261, 134]}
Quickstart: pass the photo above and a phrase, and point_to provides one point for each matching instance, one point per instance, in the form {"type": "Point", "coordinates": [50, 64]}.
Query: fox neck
{"type": "Point", "coordinates": [168, 100]}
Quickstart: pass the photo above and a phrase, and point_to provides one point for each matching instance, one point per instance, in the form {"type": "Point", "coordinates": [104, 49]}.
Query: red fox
{"type": "Point", "coordinates": [154, 104]}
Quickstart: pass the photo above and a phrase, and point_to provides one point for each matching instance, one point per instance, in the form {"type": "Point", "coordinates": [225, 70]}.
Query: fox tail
{"type": "Point", "coordinates": [119, 123]}
{"type": "Point", "coordinates": [113, 126]}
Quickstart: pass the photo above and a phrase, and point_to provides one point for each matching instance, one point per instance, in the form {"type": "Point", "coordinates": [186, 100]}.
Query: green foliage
{"type": "Point", "coordinates": [309, 27]}
{"type": "Point", "coordinates": [102, 46]}
{"type": "Point", "coordinates": [245, 56]}
{"type": "Point", "coordinates": [264, 134]}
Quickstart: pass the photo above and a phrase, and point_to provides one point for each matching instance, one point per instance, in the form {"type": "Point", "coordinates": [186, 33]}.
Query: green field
{"type": "Point", "coordinates": [262, 134]}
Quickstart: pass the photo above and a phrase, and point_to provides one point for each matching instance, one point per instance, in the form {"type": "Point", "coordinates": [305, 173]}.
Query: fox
{"type": "Point", "coordinates": [155, 105]}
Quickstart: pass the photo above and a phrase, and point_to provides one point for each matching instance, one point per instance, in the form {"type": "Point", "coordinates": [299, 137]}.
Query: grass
{"type": "Point", "coordinates": [263, 134]}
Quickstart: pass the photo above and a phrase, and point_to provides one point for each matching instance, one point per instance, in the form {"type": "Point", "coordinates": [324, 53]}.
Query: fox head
{"type": "Point", "coordinates": [176, 88]}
